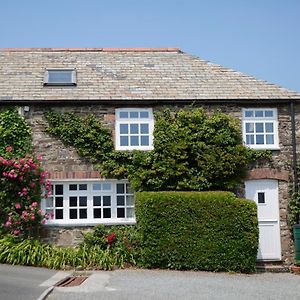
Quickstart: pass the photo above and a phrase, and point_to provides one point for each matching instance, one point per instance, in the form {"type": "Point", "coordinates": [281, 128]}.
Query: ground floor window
{"type": "Point", "coordinates": [90, 202]}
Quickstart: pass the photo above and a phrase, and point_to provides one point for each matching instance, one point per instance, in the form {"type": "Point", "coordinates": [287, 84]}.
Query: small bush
{"type": "Point", "coordinates": [123, 242]}
{"type": "Point", "coordinates": [211, 231]}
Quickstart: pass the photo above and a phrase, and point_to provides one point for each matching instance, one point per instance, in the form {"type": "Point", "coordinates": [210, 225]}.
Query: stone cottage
{"type": "Point", "coordinates": [124, 87]}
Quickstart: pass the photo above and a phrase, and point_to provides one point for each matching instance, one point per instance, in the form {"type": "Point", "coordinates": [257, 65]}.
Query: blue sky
{"type": "Point", "coordinates": [257, 37]}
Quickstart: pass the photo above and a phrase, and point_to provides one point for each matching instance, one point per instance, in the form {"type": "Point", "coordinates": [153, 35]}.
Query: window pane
{"type": "Point", "coordinates": [269, 139]}
{"type": "Point", "coordinates": [97, 213]}
{"type": "Point", "coordinates": [82, 213]}
{"type": "Point", "coordinates": [249, 113]}
{"type": "Point", "coordinates": [144, 114]}
{"type": "Point", "coordinates": [134, 140]}
{"type": "Point", "coordinates": [144, 140]}
{"type": "Point", "coordinates": [120, 188]}
{"type": "Point", "coordinates": [249, 127]}
{"type": "Point", "coordinates": [73, 213]}
{"type": "Point", "coordinates": [59, 214]}
{"type": "Point", "coordinates": [269, 127]}
{"type": "Point", "coordinates": [73, 201]}
{"type": "Point", "coordinates": [120, 200]}
{"type": "Point", "coordinates": [106, 186]}
{"type": "Point", "coordinates": [144, 129]}
{"type": "Point", "coordinates": [261, 197]}
{"type": "Point", "coordinates": [106, 200]}
{"type": "Point", "coordinates": [73, 187]}
{"type": "Point", "coordinates": [123, 114]}
{"type": "Point", "coordinates": [129, 200]}
{"type": "Point", "coordinates": [59, 201]}
{"type": "Point", "coordinates": [250, 139]}
{"type": "Point", "coordinates": [134, 128]}
{"type": "Point", "coordinates": [59, 76]}
{"type": "Point", "coordinates": [106, 213]}
{"type": "Point", "coordinates": [269, 113]}
{"type": "Point", "coordinates": [49, 202]}
{"type": "Point", "coordinates": [134, 114]}
{"type": "Point", "coordinates": [50, 213]}
{"type": "Point", "coordinates": [129, 189]}
{"type": "Point", "coordinates": [96, 186]}
{"type": "Point", "coordinates": [82, 201]}
{"type": "Point", "coordinates": [123, 128]}
{"type": "Point", "coordinates": [82, 187]}
{"type": "Point", "coordinates": [260, 139]}
{"type": "Point", "coordinates": [121, 213]}
{"type": "Point", "coordinates": [97, 200]}
{"type": "Point", "coordinates": [259, 127]}
{"type": "Point", "coordinates": [259, 113]}
{"type": "Point", "coordinates": [124, 140]}
{"type": "Point", "coordinates": [59, 189]}
{"type": "Point", "coordinates": [130, 212]}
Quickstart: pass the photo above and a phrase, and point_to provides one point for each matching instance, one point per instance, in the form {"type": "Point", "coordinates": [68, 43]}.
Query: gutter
{"type": "Point", "coordinates": [129, 102]}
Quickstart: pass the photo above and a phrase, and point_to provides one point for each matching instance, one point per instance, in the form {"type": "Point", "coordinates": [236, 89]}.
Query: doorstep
{"type": "Point", "coordinates": [272, 267]}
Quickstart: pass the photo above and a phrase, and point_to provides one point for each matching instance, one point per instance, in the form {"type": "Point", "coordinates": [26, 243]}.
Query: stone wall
{"type": "Point", "coordinates": [63, 162]}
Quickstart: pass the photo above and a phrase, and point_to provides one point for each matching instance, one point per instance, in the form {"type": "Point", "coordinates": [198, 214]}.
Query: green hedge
{"type": "Point", "coordinates": [212, 231]}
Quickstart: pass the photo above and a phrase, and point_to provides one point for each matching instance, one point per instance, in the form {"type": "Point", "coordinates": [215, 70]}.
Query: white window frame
{"type": "Point", "coordinates": [139, 121]}
{"type": "Point", "coordinates": [264, 120]}
{"type": "Point", "coordinates": [48, 82]}
{"type": "Point", "coordinates": [128, 206]}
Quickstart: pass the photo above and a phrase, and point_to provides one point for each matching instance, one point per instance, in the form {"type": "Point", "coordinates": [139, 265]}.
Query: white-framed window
{"type": "Point", "coordinates": [60, 77]}
{"type": "Point", "coordinates": [134, 129]}
{"type": "Point", "coordinates": [89, 203]}
{"type": "Point", "coordinates": [260, 128]}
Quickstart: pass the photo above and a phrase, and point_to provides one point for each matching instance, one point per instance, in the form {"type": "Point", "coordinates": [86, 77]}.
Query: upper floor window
{"type": "Point", "coordinates": [61, 77]}
{"type": "Point", "coordinates": [260, 128]}
{"type": "Point", "coordinates": [134, 129]}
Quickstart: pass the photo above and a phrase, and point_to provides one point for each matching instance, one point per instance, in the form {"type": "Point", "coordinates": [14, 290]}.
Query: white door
{"type": "Point", "coordinates": [265, 194]}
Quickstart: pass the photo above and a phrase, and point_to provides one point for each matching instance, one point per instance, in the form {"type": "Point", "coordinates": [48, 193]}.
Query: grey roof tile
{"type": "Point", "coordinates": [127, 74]}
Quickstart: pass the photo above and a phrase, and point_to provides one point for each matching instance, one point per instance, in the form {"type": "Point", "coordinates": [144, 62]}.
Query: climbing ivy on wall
{"type": "Point", "coordinates": [192, 150]}
{"type": "Point", "coordinates": [15, 134]}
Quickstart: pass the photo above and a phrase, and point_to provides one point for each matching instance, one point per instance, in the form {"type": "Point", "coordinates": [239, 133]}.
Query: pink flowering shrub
{"type": "Point", "coordinates": [22, 185]}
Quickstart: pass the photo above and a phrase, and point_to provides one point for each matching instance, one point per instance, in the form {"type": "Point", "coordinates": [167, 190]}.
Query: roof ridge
{"type": "Point", "coordinates": [91, 50]}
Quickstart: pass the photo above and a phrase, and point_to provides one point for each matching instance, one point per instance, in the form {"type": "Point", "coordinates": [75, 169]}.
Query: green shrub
{"type": "Point", "coordinates": [22, 180]}
{"type": "Point", "coordinates": [15, 134]}
{"type": "Point", "coordinates": [212, 231]}
{"type": "Point", "coordinates": [123, 242]}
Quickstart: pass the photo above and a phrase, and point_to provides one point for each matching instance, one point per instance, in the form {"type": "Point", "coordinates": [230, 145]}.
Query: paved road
{"type": "Point", "coordinates": [22, 283]}
{"type": "Point", "coordinates": [157, 284]}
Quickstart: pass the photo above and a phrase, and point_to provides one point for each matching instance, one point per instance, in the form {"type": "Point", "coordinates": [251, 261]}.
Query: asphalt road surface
{"type": "Point", "coordinates": [185, 285]}
{"type": "Point", "coordinates": [22, 283]}
{"type": "Point", "coordinates": [28, 283]}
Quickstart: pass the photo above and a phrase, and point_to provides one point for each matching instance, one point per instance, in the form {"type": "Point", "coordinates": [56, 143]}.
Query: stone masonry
{"type": "Point", "coordinates": [63, 162]}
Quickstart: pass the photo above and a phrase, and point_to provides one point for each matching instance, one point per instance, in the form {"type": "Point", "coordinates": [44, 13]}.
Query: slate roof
{"type": "Point", "coordinates": [127, 74]}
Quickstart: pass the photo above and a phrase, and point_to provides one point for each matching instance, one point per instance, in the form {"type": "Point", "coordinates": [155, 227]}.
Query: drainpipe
{"type": "Point", "coordinates": [294, 148]}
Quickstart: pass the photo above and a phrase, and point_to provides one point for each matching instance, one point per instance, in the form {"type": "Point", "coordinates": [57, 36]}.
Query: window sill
{"type": "Point", "coordinates": [92, 223]}
{"type": "Point", "coordinates": [134, 149]}
{"type": "Point", "coordinates": [274, 148]}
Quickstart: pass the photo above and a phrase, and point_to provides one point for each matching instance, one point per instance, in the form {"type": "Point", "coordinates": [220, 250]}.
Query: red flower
{"type": "Point", "coordinates": [111, 238]}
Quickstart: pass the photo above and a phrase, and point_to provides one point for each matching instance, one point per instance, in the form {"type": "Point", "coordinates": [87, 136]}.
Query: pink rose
{"type": "Point", "coordinates": [17, 205]}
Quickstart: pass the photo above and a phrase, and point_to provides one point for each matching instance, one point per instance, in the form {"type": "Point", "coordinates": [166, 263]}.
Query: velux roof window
{"type": "Point", "coordinates": [60, 77]}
